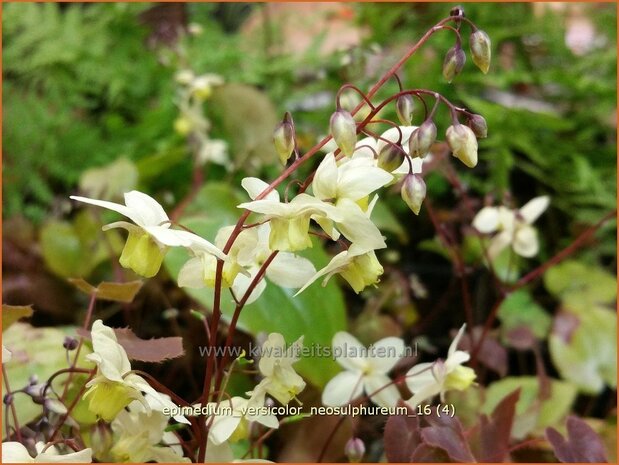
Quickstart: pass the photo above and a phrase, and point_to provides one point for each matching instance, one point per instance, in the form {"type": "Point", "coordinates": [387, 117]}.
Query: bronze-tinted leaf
{"type": "Point", "coordinates": [495, 431]}
{"type": "Point", "coordinates": [149, 350]}
{"type": "Point", "coordinates": [117, 292]}
{"type": "Point", "coordinates": [12, 313]}
{"type": "Point", "coordinates": [582, 443]}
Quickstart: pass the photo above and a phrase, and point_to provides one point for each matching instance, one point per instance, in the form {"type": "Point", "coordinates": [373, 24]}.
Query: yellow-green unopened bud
{"type": "Point", "coordinates": [414, 192]}
{"type": "Point", "coordinates": [422, 139]}
{"type": "Point", "coordinates": [142, 254]}
{"type": "Point", "coordinates": [480, 50]}
{"type": "Point", "coordinates": [479, 126]}
{"type": "Point", "coordinates": [283, 138]}
{"type": "Point", "coordinates": [404, 109]}
{"type": "Point", "coordinates": [391, 157]}
{"type": "Point", "coordinates": [454, 62]}
{"type": "Point", "coordinates": [463, 144]}
{"type": "Point", "coordinates": [344, 131]}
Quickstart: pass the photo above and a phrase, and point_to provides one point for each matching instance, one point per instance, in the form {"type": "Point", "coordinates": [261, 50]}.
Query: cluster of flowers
{"type": "Point", "coordinates": [136, 412]}
{"type": "Point", "coordinates": [192, 92]}
{"type": "Point", "coordinates": [369, 374]}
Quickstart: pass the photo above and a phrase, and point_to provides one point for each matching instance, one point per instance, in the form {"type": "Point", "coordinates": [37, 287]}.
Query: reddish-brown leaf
{"type": "Point", "coordinates": [582, 444]}
{"type": "Point", "coordinates": [495, 431]}
{"type": "Point", "coordinates": [447, 434]}
{"type": "Point", "coordinates": [145, 350]}
{"type": "Point", "coordinates": [401, 437]}
{"type": "Point", "coordinates": [149, 350]}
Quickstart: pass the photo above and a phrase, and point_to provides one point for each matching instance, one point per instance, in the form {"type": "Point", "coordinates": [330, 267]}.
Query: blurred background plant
{"type": "Point", "coordinates": [91, 103]}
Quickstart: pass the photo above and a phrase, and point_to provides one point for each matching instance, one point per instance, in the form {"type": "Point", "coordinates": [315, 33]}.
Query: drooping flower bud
{"type": "Point", "coordinates": [283, 138]}
{"type": "Point", "coordinates": [463, 144]}
{"type": "Point", "coordinates": [391, 157]}
{"type": "Point", "coordinates": [344, 131]}
{"type": "Point", "coordinates": [422, 139]}
{"type": "Point", "coordinates": [101, 440]}
{"type": "Point", "coordinates": [183, 126]}
{"type": "Point", "coordinates": [480, 50]}
{"type": "Point", "coordinates": [454, 62]}
{"type": "Point", "coordinates": [478, 124]}
{"type": "Point", "coordinates": [354, 450]}
{"type": "Point", "coordinates": [413, 192]}
{"type": "Point", "coordinates": [404, 109]}
{"type": "Point", "coordinates": [70, 343]}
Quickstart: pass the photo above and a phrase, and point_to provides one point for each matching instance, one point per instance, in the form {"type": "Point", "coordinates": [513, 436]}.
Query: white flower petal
{"type": "Point", "coordinates": [498, 243]}
{"type": "Point", "coordinates": [254, 187]}
{"type": "Point", "coordinates": [356, 183]}
{"type": "Point", "coordinates": [154, 399]}
{"type": "Point", "coordinates": [289, 270]}
{"type": "Point", "coordinates": [420, 376]}
{"type": "Point", "coordinates": [532, 210]}
{"type": "Point", "coordinates": [525, 241]}
{"type": "Point", "coordinates": [385, 354]}
{"type": "Point", "coordinates": [457, 358]}
{"type": "Point", "coordinates": [241, 285]}
{"type": "Point", "coordinates": [454, 345]}
{"type": "Point", "coordinates": [324, 184]}
{"type": "Point", "coordinates": [349, 352]}
{"type": "Point", "coordinates": [487, 220]}
{"type": "Point", "coordinates": [223, 426]}
{"type": "Point", "coordinates": [122, 209]}
{"type": "Point", "coordinates": [192, 274]}
{"type": "Point", "coordinates": [337, 262]}
{"type": "Point", "coordinates": [113, 362]}
{"type": "Point", "coordinates": [147, 209]}
{"type": "Point", "coordinates": [15, 452]}
{"type": "Point", "coordinates": [425, 393]}
{"type": "Point", "coordinates": [168, 236]}
{"type": "Point", "coordinates": [82, 456]}
{"type": "Point", "coordinates": [343, 388]}
{"type": "Point", "coordinates": [387, 393]}
{"type": "Point", "coordinates": [392, 135]}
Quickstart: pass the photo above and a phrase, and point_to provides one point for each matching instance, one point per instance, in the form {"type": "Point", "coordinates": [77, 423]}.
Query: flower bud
{"type": "Point", "coordinates": [478, 124]}
{"type": "Point", "coordinates": [480, 50]}
{"type": "Point", "coordinates": [101, 440]}
{"type": "Point", "coordinates": [183, 126]}
{"type": "Point", "coordinates": [54, 405]}
{"type": "Point", "coordinates": [283, 138]}
{"type": "Point", "coordinates": [354, 450]}
{"type": "Point", "coordinates": [391, 157]}
{"type": "Point", "coordinates": [344, 131]}
{"type": "Point", "coordinates": [463, 144]}
{"type": "Point", "coordinates": [70, 343]}
{"type": "Point", "coordinates": [454, 62]}
{"type": "Point", "coordinates": [422, 139]}
{"type": "Point", "coordinates": [404, 109]}
{"type": "Point", "coordinates": [413, 192]}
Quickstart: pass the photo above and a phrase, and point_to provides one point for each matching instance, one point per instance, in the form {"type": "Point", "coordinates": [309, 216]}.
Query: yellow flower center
{"type": "Point", "coordinates": [108, 398]}
{"type": "Point", "coordinates": [460, 378]}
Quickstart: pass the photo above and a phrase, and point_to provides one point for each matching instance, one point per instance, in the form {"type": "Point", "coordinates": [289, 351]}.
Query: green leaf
{"type": "Point", "coordinates": [519, 309]}
{"type": "Point", "coordinates": [579, 285]}
{"type": "Point", "coordinates": [318, 313]}
{"type": "Point", "coordinates": [532, 414]}
{"type": "Point", "coordinates": [36, 351]}
{"type": "Point", "coordinates": [12, 313]}
{"type": "Point", "coordinates": [61, 249]}
{"type": "Point", "coordinates": [583, 347]}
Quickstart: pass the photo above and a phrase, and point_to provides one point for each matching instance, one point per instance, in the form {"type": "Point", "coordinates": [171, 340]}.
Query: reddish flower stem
{"type": "Point", "coordinates": [216, 317]}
